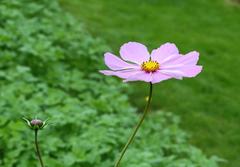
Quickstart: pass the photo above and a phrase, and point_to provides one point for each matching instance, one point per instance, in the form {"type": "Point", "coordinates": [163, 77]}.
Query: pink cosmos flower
{"type": "Point", "coordinates": [163, 63]}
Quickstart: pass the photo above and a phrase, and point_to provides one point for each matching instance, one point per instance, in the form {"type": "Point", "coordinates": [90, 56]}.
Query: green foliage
{"type": "Point", "coordinates": [48, 69]}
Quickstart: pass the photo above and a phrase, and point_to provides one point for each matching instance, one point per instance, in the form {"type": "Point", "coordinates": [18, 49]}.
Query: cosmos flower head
{"type": "Point", "coordinates": [165, 62]}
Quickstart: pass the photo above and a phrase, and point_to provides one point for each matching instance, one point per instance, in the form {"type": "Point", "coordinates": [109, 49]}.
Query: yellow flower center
{"type": "Point", "coordinates": [150, 66]}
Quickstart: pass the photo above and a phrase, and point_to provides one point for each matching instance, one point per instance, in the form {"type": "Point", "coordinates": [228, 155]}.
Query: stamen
{"type": "Point", "coordinates": [150, 66]}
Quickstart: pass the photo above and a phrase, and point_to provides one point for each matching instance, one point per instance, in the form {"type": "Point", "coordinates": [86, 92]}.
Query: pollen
{"type": "Point", "coordinates": [150, 66]}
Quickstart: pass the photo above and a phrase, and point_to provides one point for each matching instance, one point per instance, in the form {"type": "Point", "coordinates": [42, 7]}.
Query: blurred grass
{"type": "Point", "coordinates": [208, 104]}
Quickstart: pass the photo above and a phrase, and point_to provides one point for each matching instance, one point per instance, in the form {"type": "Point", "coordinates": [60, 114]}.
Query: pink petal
{"type": "Point", "coordinates": [182, 66]}
{"type": "Point", "coordinates": [134, 52]}
{"type": "Point", "coordinates": [140, 76]}
{"type": "Point", "coordinates": [115, 63]}
{"type": "Point", "coordinates": [191, 71]}
{"type": "Point", "coordinates": [158, 77]}
{"type": "Point", "coordinates": [182, 71]}
{"type": "Point", "coordinates": [173, 73]}
{"type": "Point", "coordinates": [171, 58]}
{"type": "Point", "coordinates": [189, 59]}
{"type": "Point", "coordinates": [171, 66]}
{"type": "Point", "coordinates": [163, 52]}
{"type": "Point", "coordinates": [121, 74]}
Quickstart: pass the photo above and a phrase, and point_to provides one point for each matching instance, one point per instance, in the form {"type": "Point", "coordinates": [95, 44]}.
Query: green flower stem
{"type": "Point", "coordinates": [37, 148]}
{"type": "Point", "coordinates": [130, 140]}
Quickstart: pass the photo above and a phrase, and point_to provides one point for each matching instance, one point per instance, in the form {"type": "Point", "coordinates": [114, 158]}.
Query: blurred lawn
{"type": "Point", "coordinates": [208, 104]}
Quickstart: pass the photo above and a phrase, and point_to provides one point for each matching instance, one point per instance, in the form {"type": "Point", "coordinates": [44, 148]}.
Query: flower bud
{"type": "Point", "coordinates": [36, 124]}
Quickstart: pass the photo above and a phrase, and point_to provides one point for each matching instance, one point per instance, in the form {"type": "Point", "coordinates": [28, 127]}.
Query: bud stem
{"type": "Point", "coordinates": [37, 148]}
{"type": "Point", "coordinates": [130, 140]}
